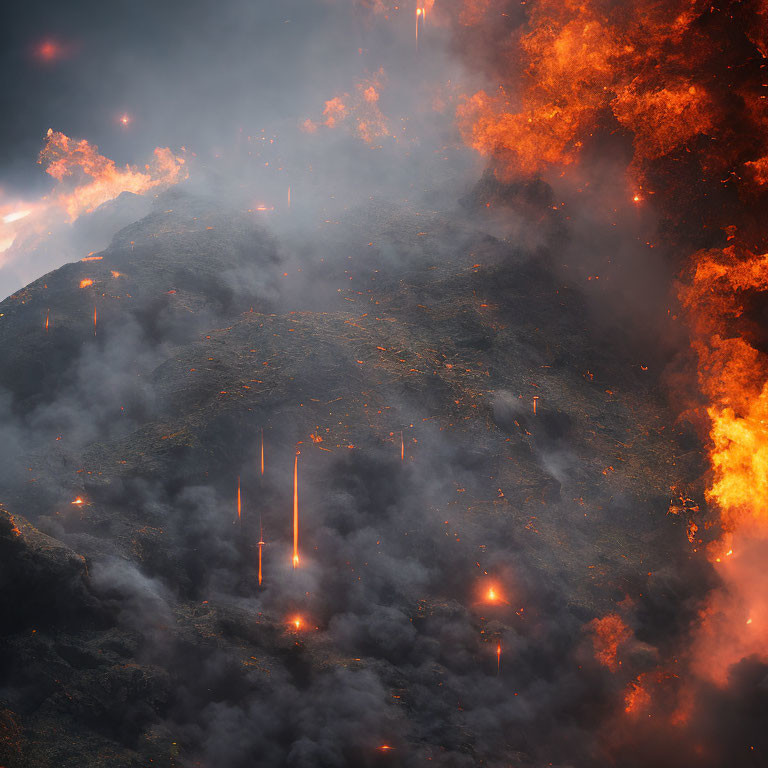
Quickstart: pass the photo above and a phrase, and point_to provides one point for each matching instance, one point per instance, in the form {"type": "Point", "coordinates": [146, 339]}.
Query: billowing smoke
{"type": "Point", "coordinates": [505, 555]}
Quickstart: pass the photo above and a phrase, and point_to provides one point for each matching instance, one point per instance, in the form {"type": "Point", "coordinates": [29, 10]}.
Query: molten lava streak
{"type": "Point", "coordinates": [239, 500]}
{"type": "Point", "coordinates": [296, 511]}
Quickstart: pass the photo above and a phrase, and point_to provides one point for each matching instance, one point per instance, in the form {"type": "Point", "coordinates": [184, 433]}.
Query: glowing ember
{"type": "Point", "coordinates": [297, 622]}
{"type": "Point", "coordinates": [498, 659]}
{"type": "Point", "coordinates": [95, 319]}
{"type": "Point", "coordinates": [492, 594]}
{"type": "Point", "coordinates": [78, 501]}
{"type": "Point", "coordinates": [239, 500]}
{"type": "Point", "coordinates": [609, 633]}
{"type": "Point", "coordinates": [47, 320]}
{"type": "Point", "coordinates": [262, 451]}
{"type": "Point", "coordinates": [125, 119]}
{"type": "Point", "coordinates": [86, 282]}
{"type": "Point", "coordinates": [402, 446]}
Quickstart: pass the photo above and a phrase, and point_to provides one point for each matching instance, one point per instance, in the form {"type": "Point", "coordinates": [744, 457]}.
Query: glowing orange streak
{"type": "Point", "coordinates": [296, 512]}
{"type": "Point", "coordinates": [402, 446]}
{"type": "Point", "coordinates": [498, 659]}
{"type": "Point", "coordinates": [95, 319]}
{"type": "Point", "coordinates": [535, 398]}
{"type": "Point", "coordinates": [261, 544]}
{"type": "Point", "coordinates": [47, 320]}
{"type": "Point", "coordinates": [239, 500]}
{"type": "Point", "coordinates": [262, 451]}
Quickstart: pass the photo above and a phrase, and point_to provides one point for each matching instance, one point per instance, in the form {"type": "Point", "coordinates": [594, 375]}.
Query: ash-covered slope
{"type": "Point", "coordinates": [459, 429]}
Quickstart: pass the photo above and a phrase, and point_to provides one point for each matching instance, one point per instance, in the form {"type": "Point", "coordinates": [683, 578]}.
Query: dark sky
{"type": "Point", "coordinates": [188, 73]}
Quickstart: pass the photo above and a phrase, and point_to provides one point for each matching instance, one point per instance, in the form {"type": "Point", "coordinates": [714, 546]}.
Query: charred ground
{"type": "Point", "coordinates": [137, 633]}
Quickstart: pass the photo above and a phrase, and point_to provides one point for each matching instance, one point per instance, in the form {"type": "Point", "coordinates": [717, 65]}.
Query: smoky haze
{"type": "Point", "coordinates": [473, 411]}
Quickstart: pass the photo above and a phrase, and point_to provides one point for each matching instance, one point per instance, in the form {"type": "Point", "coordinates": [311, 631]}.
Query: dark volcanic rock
{"type": "Point", "coordinates": [532, 456]}
{"type": "Point", "coordinates": [42, 581]}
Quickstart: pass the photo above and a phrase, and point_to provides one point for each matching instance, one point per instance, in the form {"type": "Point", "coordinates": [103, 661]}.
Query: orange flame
{"type": "Point", "coordinates": [93, 179]}
{"type": "Point", "coordinates": [239, 500]}
{"type": "Point", "coordinates": [360, 111]}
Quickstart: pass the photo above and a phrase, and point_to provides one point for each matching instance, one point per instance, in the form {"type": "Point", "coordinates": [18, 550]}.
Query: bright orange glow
{"type": "Point", "coordinates": [609, 633]}
{"type": "Point", "coordinates": [297, 623]}
{"type": "Point", "coordinates": [262, 451]}
{"type": "Point", "coordinates": [358, 111]}
{"type": "Point", "coordinates": [491, 594]}
{"type": "Point", "coordinates": [125, 119]}
{"type": "Point", "coordinates": [84, 283]}
{"type": "Point", "coordinates": [9, 218]}
{"type": "Point", "coordinates": [95, 319]}
{"type": "Point", "coordinates": [92, 179]}
{"type": "Point", "coordinates": [92, 258]}
{"type": "Point", "coordinates": [239, 500]}
{"type": "Point", "coordinates": [78, 501]}
{"type": "Point", "coordinates": [498, 659]}
{"type": "Point", "coordinates": [49, 51]}
{"type": "Point", "coordinates": [402, 446]}
{"type": "Point", "coordinates": [296, 512]}
{"type": "Point", "coordinates": [47, 320]}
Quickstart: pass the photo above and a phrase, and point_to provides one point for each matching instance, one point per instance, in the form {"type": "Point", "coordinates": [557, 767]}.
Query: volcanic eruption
{"type": "Point", "coordinates": [534, 242]}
